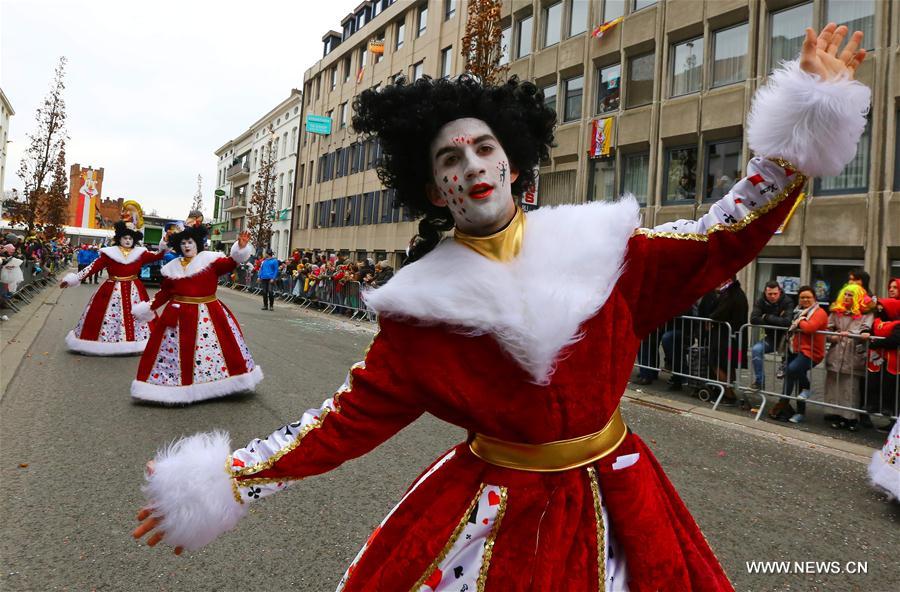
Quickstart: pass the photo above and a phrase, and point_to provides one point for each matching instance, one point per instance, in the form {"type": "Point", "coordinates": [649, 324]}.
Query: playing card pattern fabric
{"type": "Point", "coordinates": [196, 350]}
{"type": "Point", "coordinates": [884, 468]}
{"type": "Point", "coordinates": [107, 327]}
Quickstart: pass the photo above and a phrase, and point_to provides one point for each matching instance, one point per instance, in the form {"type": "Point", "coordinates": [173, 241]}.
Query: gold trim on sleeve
{"type": "Point", "coordinates": [489, 543]}
{"type": "Point", "coordinates": [601, 528]}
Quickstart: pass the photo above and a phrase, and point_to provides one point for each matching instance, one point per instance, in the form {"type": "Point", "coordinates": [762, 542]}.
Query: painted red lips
{"type": "Point", "coordinates": [481, 191]}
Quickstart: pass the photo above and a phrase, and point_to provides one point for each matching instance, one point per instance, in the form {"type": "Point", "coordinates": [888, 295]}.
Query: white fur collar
{"type": "Point", "coordinates": [115, 253]}
{"type": "Point", "coordinates": [174, 271]}
{"type": "Point", "coordinates": [570, 260]}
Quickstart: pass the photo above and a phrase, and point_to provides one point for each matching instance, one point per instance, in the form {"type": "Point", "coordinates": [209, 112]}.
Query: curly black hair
{"type": "Point", "coordinates": [198, 233]}
{"type": "Point", "coordinates": [121, 230]}
{"type": "Point", "coordinates": [407, 117]}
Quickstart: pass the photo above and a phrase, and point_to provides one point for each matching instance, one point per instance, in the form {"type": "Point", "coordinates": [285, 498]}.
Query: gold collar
{"type": "Point", "coordinates": [503, 245]}
{"type": "Point", "coordinates": [185, 261]}
{"type": "Point", "coordinates": [125, 251]}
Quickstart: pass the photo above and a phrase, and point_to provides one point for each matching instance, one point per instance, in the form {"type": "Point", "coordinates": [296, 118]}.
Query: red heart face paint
{"type": "Point", "coordinates": [472, 176]}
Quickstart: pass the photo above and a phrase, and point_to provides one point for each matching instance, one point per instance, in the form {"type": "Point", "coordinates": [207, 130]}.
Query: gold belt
{"type": "Point", "coordinates": [194, 299]}
{"type": "Point", "coordinates": [126, 278]}
{"type": "Point", "coordinates": [560, 455]}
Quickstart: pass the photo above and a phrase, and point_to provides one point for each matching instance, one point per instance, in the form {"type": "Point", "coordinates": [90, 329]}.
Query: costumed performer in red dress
{"type": "Point", "coordinates": [196, 350]}
{"type": "Point", "coordinates": [523, 330]}
{"type": "Point", "coordinates": [108, 326]}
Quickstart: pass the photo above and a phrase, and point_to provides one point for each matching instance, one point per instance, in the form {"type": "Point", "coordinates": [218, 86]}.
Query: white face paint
{"type": "Point", "coordinates": [188, 247]}
{"type": "Point", "coordinates": [126, 241]}
{"type": "Point", "coordinates": [472, 176]}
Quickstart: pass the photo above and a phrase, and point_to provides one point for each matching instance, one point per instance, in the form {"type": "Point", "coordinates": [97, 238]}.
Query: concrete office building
{"type": "Point", "coordinates": [675, 76]}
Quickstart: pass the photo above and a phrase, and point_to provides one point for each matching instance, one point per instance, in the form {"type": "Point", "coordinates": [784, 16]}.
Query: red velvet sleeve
{"type": "Point", "coordinates": [163, 295]}
{"type": "Point", "coordinates": [374, 403]}
{"type": "Point", "coordinates": [96, 266]}
{"type": "Point", "coordinates": [224, 265]}
{"type": "Point", "coordinates": [669, 267]}
{"type": "Point", "coordinates": [148, 257]}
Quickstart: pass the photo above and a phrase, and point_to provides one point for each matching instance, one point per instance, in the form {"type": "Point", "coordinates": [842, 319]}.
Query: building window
{"type": "Point", "coordinates": [855, 176]}
{"type": "Point", "coordinates": [613, 9]}
{"type": "Point", "coordinates": [640, 81]}
{"type": "Point", "coordinates": [687, 67]}
{"type": "Point", "coordinates": [730, 55]}
{"type": "Point", "coordinates": [379, 36]}
{"type": "Point", "coordinates": [608, 88]}
{"type": "Point", "coordinates": [858, 15]}
{"type": "Point", "coordinates": [343, 108]}
{"type": "Point", "coordinates": [449, 9]}
{"type": "Point", "coordinates": [550, 96]}
{"type": "Point", "coordinates": [897, 152]}
{"type": "Point", "coordinates": [640, 4]}
{"type": "Point", "coordinates": [302, 175]}
{"type": "Point", "coordinates": [578, 17]}
{"type": "Point", "coordinates": [417, 70]}
{"type": "Point", "coordinates": [636, 175]}
{"type": "Point", "coordinates": [401, 33]}
{"type": "Point", "coordinates": [346, 69]}
{"type": "Point", "coordinates": [603, 180]}
{"type": "Point", "coordinates": [574, 89]}
{"type": "Point", "coordinates": [362, 59]}
{"type": "Point", "coordinates": [828, 276]}
{"type": "Point", "coordinates": [333, 77]}
{"type": "Point", "coordinates": [524, 33]}
{"type": "Point", "coordinates": [505, 38]}
{"type": "Point", "coordinates": [423, 20]}
{"type": "Point", "coordinates": [723, 168]}
{"type": "Point", "coordinates": [552, 24]}
{"type": "Point", "coordinates": [787, 31]}
{"type": "Point", "coordinates": [446, 59]}
{"type": "Point", "coordinates": [681, 174]}
{"type": "Point", "coordinates": [778, 269]}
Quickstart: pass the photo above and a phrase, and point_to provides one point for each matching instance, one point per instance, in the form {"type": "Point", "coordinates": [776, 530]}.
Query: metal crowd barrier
{"type": "Point", "coordinates": [35, 277]}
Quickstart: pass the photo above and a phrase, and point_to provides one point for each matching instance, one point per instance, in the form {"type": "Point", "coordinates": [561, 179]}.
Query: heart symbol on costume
{"type": "Point", "coordinates": [224, 369]}
{"type": "Point", "coordinates": [493, 498]}
{"type": "Point", "coordinates": [236, 462]}
{"type": "Point", "coordinates": [205, 319]}
{"type": "Point", "coordinates": [434, 579]}
{"type": "Point", "coordinates": [156, 375]}
{"type": "Point", "coordinates": [208, 358]}
{"type": "Point", "coordinates": [485, 521]}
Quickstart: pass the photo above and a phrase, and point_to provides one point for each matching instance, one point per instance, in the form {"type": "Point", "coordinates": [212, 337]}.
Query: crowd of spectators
{"type": "Point", "coordinates": [32, 256]}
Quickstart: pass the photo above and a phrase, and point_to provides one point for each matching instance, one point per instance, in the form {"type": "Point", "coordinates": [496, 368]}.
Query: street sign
{"type": "Point", "coordinates": [317, 124]}
{"type": "Point", "coordinates": [219, 192]}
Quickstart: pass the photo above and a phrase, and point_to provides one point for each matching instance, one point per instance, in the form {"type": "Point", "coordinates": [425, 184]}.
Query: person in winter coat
{"type": "Point", "coordinates": [846, 358]}
{"type": "Point", "coordinates": [883, 364]}
{"type": "Point", "coordinates": [807, 349]}
{"type": "Point", "coordinates": [773, 308]}
{"type": "Point", "coordinates": [84, 257]}
{"type": "Point", "coordinates": [727, 304]}
{"type": "Point", "coordinates": [268, 272]}
{"type": "Point", "coordinates": [383, 272]}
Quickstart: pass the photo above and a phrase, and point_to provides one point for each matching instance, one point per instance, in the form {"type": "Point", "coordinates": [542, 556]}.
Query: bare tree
{"type": "Point", "coordinates": [43, 150]}
{"type": "Point", "coordinates": [261, 209]}
{"type": "Point", "coordinates": [482, 44]}
{"type": "Point", "coordinates": [54, 205]}
{"type": "Point", "coordinates": [198, 197]}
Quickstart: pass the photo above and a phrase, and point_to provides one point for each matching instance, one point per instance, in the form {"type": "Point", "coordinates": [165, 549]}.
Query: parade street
{"type": "Point", "coordinates": [74, 445]}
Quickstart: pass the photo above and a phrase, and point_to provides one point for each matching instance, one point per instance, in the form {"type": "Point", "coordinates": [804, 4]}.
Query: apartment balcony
{"type": "Point", "coordinates": [228, 236]}
{"type": "Point", "coordinates": [238, 171]}
{"type": "Point", "coordinates": [234, 204]}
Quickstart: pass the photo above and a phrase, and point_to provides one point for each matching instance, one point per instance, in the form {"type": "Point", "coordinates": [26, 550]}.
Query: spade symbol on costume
{"type": "Point", "coordinates": [458, 571]}
{"type": "Point", "coordinates": [287, 431]}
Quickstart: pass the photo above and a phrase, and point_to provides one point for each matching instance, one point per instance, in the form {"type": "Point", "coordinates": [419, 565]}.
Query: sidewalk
{"type": "Point", "coordinates": [20, 331]}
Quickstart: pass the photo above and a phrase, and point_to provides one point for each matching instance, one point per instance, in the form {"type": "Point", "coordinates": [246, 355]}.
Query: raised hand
{"type": "Point", "coordinates": [149, 522]}
{"type": "Point", "coordinates": [819, 54]}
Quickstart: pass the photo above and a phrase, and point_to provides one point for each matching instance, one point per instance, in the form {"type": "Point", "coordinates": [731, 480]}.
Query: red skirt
{"type": "Point", "coordinates": [107, 327]}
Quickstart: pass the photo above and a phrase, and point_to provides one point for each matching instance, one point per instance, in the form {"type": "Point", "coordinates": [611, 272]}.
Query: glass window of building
{"type": "Point", "coordinates": [681, 174]}
{"type": "Point", "coordinates": [639, 4]}
{"type": "Point", "coordinates": [578, 17]}
{"type": "Point", "coordinates": [401, 34]}
{"type": "Point", "coordinates": [855, 176]}
{"type": "Point", "coordinates": [574, 88]}
{"type": "Point", "coordinates": [449, 8]}
{"type": "Point", "coordinates": [723, 168]}
{"type": "Point", "coordinates": [362, 59]}
{"type": "Point", "coordinates": [640, 80]}
{"type": "Point", "coordinates": [828, 276]}
{"type": "Point", "coordinates": [636, 175]}
{"type": "Point", "coordinates": [786, 32]}
{"type": "Point", "coordinates": [785, 271]}
{"type": "Point", "coordinates": [343, 115]}
{"type": "Point", "coordinates": [523, 35]}
{"type": "Point", "coordinates": [346, 69]}
{"type": "Point", "coordinates": [858, 15]}
{"type": "Point", "coordinates": [897, 151]}
{"type": "Point", "coordinates": [446, 61]}
{"type": "Point", "coordinates": [423, 20]}
{"type": "Point", "coordinates": [505, 40]}
{"type": "Point", "coordinates": [550, 96]}
{"type": "Point", "coordinates": [418, 70]}
{"type": "Point", "coordinates": [608, 91]}
{"type": "Point", "coordinates": [379, 36]}
{"type": "Point", "coordinates": [602, 184]}
{"type": "Point", "coordinates": [730, 55]}
{"type": "Point", "coordinates": [552, 24]}
{"type": "Point", "coordinates": [613, 9]}
{"type": "Point", "coordinates": [333, 77]}
{"type": "Point", "coordinates": [687, 67]}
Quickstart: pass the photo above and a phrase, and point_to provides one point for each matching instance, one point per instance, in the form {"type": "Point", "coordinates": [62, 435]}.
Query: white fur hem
{"type": "Point", "coordinates": [104, 348]}
{"type": "Point", "coordinates": [812, 123]}
{"type": "Point", "coordinates": [884, 476]}
{"type": "Point", "coordinates": [190, 489]}
{"type": "Point", "coordinates": [174, 395]}
{"type": "Point", "coordinates": [71, 280]}
{"type": "Point", "coordinates": [241, 255]}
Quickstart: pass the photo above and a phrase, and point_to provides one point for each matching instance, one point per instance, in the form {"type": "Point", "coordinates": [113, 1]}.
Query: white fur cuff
{"type": "Point", "coordinates": [241, 255]}
{"type": "Point", "coordinates": [812, 123]}
{"type": "Point", "coordinates": [71, 280]}
{"type": "Point", "coordinates": [142, 312]}
{"type": "Point", "coordinates": [191, 490]}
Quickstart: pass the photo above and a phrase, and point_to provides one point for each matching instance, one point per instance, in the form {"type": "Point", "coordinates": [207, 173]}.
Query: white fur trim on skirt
{"type": "Point", "coordinates": [104, 348]}
{"type": "Point", "coordinates": [174, 395]}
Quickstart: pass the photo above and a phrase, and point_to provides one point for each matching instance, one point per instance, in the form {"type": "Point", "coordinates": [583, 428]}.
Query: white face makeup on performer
{"type": "Point", "coordinates": [126, 242]}
{"type": "Point", "coordinates": [189, 247]}
{"type": "Point", "coordinates": [472, 176]}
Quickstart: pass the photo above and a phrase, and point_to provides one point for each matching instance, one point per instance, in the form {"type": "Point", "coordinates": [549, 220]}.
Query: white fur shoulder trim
{"type": "Point", "coordinates": [571, 258]}
{"type": "Point", "coordinates": [812, 123]}
{"type": "Point", "coordinates": [191, 490]}
{"type": "Point", "coordinates": [173, 269]}
{"type": "Point", "coordinates": [115, 253]}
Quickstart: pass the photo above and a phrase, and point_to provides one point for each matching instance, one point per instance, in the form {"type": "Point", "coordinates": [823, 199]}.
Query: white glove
{"type": "Point", "coordinates": [142, 312]}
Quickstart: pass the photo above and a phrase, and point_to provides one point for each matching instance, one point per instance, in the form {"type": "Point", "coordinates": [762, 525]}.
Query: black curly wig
{"type": "Point", "coordinates": [121, 229]}
{"type": "Point", "coordinates": [407, 117]}
{"type": "Point", "coordinates": [198, 233]}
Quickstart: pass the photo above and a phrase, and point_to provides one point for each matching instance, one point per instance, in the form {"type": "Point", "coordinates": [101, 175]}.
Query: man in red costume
{"type": "Point", "coordinates": [502, 330]}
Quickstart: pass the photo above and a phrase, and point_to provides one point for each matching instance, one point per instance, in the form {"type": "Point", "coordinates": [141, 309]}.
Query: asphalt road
{"type": "Point", "coordinates": [65, 518]}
